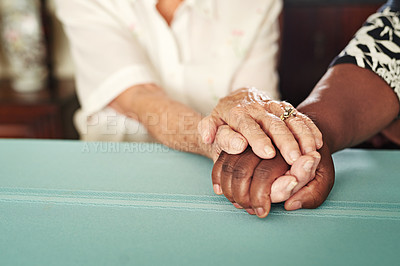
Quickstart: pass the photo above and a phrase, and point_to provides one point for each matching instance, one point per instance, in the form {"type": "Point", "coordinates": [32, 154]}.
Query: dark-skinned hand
{"type": "Point", "coordinates": [253, 183]}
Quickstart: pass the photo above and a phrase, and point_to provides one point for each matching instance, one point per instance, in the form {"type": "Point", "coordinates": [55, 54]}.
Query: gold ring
{"type": "Point", "coordinates": [289, 112]}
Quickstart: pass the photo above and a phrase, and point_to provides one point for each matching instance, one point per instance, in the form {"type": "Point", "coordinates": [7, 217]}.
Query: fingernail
{"type": "Point", "coordinates": [294, 155]}
{"type": "Point", "coordinates": [237, 143]}
{"type": "Point", "coordinates": [250, 211]}
{"type": "Point", "coordinates": [295, 205]}
{"type": "Point", "coordinates": [308, 166]}
{"type": "Point", "coordinates": [260, 212]}
{"type": "Point", "coordinates": [291, 186]}
{"type": "Point", "coordinates": [237, 206]}
{"type": "Point", "coordinates": [269, 152]}
{"type": "Point", "coordinates": [217, 189]}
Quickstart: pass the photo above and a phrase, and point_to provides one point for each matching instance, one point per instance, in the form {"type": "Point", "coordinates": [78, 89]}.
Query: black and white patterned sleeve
{"type": "Point", "coordinates": [376, 46]}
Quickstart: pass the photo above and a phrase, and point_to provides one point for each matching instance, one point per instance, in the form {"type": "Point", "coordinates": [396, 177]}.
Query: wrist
{"type": "Point", "coordinates": [330, 138]}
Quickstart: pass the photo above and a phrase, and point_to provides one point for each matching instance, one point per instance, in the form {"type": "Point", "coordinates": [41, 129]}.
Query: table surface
{"type": "Point", "coordinates": [78, 203]}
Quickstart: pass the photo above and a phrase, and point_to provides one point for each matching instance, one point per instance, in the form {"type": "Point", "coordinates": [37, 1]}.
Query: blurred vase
{"type": "Point", "coordinates": [24, 43]}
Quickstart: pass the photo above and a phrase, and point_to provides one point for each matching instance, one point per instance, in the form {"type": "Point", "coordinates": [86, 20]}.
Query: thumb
{"type": "Point", "coordinates": [315, 193]}
{"type": "Point", "coordinates": [208, 128]}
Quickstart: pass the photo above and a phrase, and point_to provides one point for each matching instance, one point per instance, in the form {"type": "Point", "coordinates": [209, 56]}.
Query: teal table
{"type": "Point", "coordinates": [77, 203]}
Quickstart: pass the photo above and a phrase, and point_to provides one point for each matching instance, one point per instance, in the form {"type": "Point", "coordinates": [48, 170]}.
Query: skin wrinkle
{"type": "Point", "coordinates": [336, 93]}
{"type": "Point", "coordinates": [177, 127]}
{"type": "Point", "coordinates": [164, 117]}
{"type": "Point", "coordinates": [175, 124]}
{"type": "Point", "coordinates": [345, 89]}
{"type": "Point", "coordinates": [245, 112]}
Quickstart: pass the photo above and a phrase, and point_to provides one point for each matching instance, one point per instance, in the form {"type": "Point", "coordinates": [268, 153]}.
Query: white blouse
{"type": "Point", "coordinates": [211, 48]}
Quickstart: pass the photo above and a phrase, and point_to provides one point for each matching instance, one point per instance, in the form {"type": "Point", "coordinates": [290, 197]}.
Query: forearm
{"type": "Point", "coordinates": [170, 122]}
{"type": "Point", "coordinates": [349, 105]}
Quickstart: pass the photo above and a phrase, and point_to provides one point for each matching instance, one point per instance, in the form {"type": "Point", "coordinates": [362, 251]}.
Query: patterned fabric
{"type": "Point", "coordinates": [376, 46]}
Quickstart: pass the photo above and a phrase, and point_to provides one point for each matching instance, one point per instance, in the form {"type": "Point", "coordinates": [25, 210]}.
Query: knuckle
{"type": "Point", "coordinates": [227, 167]}
{"type": "Point", "coordinates": [262, 172]}
{"type": "Point", "coordinates": [307, 145]}
{"type": "Point", "coordinates": [278, 127]}
{"type": "Point", "coordinates": [295, 121]}
{"type": "Point", "coordinates": [247, 128]}
{"type": "Point", "coordinates": [237, 112]}
{"type": "Point", "coordinates": [304, 117]}
{"type": "Point", "coordinates": [240, 173]}
{"type": "Point", "coordinates": [273, 106]}
{"type": "Point", "coordinates": [287, 104]}
{"type": "Point", "coordinates": [238, 116]}
{"type": "Point", "coordinates": [256, 109]}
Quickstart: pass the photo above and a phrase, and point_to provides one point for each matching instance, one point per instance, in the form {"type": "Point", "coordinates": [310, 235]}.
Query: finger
{"type": "Point", "coordinates": [301, 125]}
{"type": "Point", "coordinates": [230, 141]}
{"type": "Point", "coordinates": [226, 175]}
{"type": "Point", "coordinates": [304, 169]}
{"type": "Point", "coordinates": [295, 124]}
{"type": "Point", "coordinates": [208, 128]}
{"type": "Point", "coordinates": [302, 134]}
{"type": "Point", "coordinates": [242, 122]}
{"type": "Point", "coordinates": [314, 193]}
{"type": "Point", "coordinates": [217, 151]}
{"type": "Point", "coordinates": [314, 130]}
{"type": "Point", "coordinates": [216, 173]}
{"type": "Point", "coordinates": [282, 188]}
{"type": "Point", "coordinates": [264, 175]}
{"type": "Point", "coordinates": [237, 206]}
{"type": "Point", "coordinates": [241, 178]}
{"type": "Point", "coordinates": [301, 172]}
{"type": "Point", "coordinates": [282, 137]}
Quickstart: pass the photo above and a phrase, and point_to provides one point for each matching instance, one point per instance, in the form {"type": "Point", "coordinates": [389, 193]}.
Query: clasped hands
{"type": "Point", "coordinates": [243, 131]}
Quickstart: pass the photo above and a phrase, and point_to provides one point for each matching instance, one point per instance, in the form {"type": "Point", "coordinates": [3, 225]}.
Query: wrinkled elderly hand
{"type": "Point", "coordinates": [249, 117]}
{"type": "Point", "coordinates": [253, 183]}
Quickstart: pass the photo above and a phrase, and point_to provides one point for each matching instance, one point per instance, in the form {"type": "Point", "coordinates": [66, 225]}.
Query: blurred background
{"type": "Point", "coordinates": [314, 32]}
